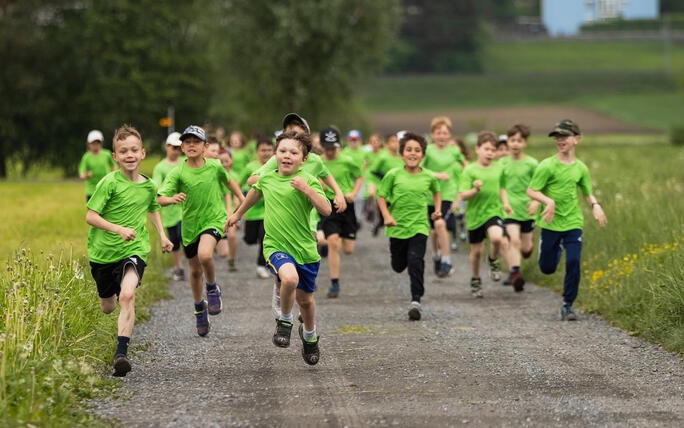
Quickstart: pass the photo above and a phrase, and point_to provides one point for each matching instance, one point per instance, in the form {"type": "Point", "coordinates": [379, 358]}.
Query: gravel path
{"type": "Point", "coordinates": [504, 360]}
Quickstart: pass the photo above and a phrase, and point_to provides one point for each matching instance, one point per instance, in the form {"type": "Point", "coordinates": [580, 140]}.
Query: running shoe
{"type": "Point", "coordinates": [262, 272]}
{"type": "Point", "coordinates": [444, 270]}
{"type": "Point", "coordinates": [202, 319]}
{"type": "Point", "coordinates": [214, 300]}
{"type": "Point", "coordinates": [275, 303]}
{"type": "Point", "coordinates": [454, 245]}
{"type": "Point", "coordinates": [437, 264]}
{"type": "Point", "coordinates": [281, 337]}
{"type": "Point", "coordinates": [463, 237]}
{"type": "Point", "coordinates": [518, 282]}
{"type": "Point", "coordinates": [414, 311]}
{"type": "Point", "coordinates": [178, 274]}
{"type": "Point", "coordinates": [333, 291]}
{"type": "Point", "coordinates": [231, 265]}
{"type": "Point", "coordinates": [567, 313]}
{"type": "Point", "coordinates": [508, 281]}
{"type": "Point", "coordinates": [310, 351]}
{"type": "Point", "coordinates": [476, 287]}
{"type": "Point", "coordinates": [495, 270]}
{"type": "Point", "coordinates": [121, 365]}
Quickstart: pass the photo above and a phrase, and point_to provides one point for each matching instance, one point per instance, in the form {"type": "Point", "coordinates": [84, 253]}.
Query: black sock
{"type": "Point", "coordinates": [491, 260]}
{"type": "Point", "coordinates": [335, 282]}
{"type": "Point", "coordinates": [199, 307]}
{"type": "Point", "coordinates": [211, 287]}
{"type": "Point", "coordinates": [122, 347]}
{"type": "Point", "coordinates": [514, 269]}
{"type": "Point", "coordinates": [415, 299]}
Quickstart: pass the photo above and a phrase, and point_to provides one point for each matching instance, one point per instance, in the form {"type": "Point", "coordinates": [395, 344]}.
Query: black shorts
{"type": "Point", "coordinates": [526, 226]}
{"type": "Point", "coordinates": [446, 210]}
{"type": "Point", "coordinates": [175, 236]}
{"type": "Point", "coordinates": [108, 276]}
{"type": "Point", "coordinates": [191, 250]}
{"type": "Point", "coordinates": [343, 224]}
{"type": "Point", "coordinates": [478, 235]}
{"type": "Point", "coordinates": [254, 230]}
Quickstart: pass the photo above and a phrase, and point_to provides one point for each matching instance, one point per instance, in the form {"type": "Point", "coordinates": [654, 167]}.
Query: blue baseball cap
{"type": "Point", "coordinates": [194, 131]}
{"type": "Point", "coordinates": [354, 133]}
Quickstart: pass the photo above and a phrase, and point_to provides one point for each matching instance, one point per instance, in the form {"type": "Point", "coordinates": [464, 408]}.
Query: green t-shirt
{"type": "Point", "coordinates": [99, 165]}
{"type": "Point", "coordinates": [369, 160]}
{"type": "Point", "coordinates": [345, 171]}
{"type": "Point", "coordinates": [358, 156]}
{"type": "Point", "coordinates": [408, 194]}
{"type": "Point", "coordinates": [448, 160]}
{"type": "Point", "coordinates": [286, 216]}
{"type": "Point", "coordinates": [125, 203]}
{"type": "Point", "coordinates": [170, 214]}
{"type": "Point", "coordinates": [382, 165]}
{"type": "Point", "coordinates": [241, 158]}
{"type": "Point", "coordinates": [559, 182]}
{"type": "Point", "coordinates": [518, 175]}
{"type": "Point", "coordinates": [257, 211]}
{"type": "Point", "coordinates": [487, 202]}
{"type": "Point", "coordinates": [204, 206]}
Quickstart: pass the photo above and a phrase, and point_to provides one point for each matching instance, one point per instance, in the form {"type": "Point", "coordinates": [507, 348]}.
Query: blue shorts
{"type": "Point", "coordinates": [307, 273]}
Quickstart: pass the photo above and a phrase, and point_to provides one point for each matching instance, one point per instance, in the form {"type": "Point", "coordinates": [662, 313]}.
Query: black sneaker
{"type": "Point", "coordinates": [437, 265]}
{"type": "Point", "coordinates": [444, 270]}
{"type": "Point", "coordinates": [518, 282]}
{"type": "Point", "coordinates": [281, 337]}
{"type": "Point", "coordinates": [121, 365]}
{"type": "Point", "coordinates": [414, 311]}
{"type": "Point", "coordinates": [310, 351]}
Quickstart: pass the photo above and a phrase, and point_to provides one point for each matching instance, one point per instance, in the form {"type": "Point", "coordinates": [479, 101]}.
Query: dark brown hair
{"type": "Point", "coordinates": [464, 149]}
{"type": "Point", "coordinates": [415, 137]}
{"type": "Point", "coordinates": [303, 139]}
{"type": "Point", "coordinates": [523, 130]}
{"type": "Point", "coordinates": [124, 132]}
{"type": "Point", "coordinates": [213, 140]}
{"type": "Point", "coordinates": [486, 137]}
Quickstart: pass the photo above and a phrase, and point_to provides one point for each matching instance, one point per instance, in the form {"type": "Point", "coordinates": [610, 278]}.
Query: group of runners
{"type": "Point", "coordinates": [303, 196]}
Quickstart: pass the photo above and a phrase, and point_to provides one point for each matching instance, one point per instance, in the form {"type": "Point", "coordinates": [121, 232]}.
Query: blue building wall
{"type": "Point", "coordinates": [565, 17]}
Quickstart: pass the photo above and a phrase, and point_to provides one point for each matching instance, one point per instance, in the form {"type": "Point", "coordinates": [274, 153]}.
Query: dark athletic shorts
{"type": "Point", "coordinates": [446, 211]}
{"type": "Point", "coordinates": [526, 226]}
{"type": "Point", "coordinates": [175, 236]}
{"type": "Point", "coordinates": [344, 223]}
{"type": "Point", "coordinates": [191, 250]}
{"type": "Point", "coordinates": [108, 276]}
{"type": "Point", "coordinates": [253, 229]}
{"type": "Point", "coordinates": [478, 235]}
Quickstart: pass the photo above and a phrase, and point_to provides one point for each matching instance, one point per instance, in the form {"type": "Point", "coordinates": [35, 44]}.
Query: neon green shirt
{"type": "Point", "coordinates": [257, 211]}
{"type": "Point", "coordinates": [170, 214]}
{"type": "Point", "coordinates": [487, 202]}
{"type": "Point", "coordinates": [99, 165]}
{"type": "Point", "coordinates": [408, 193]}
{"type": "Point", "coordinates": [204, 206]}
{"type": "Point", "coordinates": [358, 155]}
{"type": "Point", "coordinates": [125, 203]}
{"type": "Point", "coordinates": [382, 165]}
{"type": "Point", "coordinates": [345, 171]}
{"type": "Point", "coordinates": [518, 175]}
{"type": "Point", "coordinates": [448, 160]}
{"type": "Point", "coordinates": [241, 158]}
{"type": "Point", "coordinates": [286, 216]}
{"type": "Point", "coordinates": [369, 160]}
{"type": "Point", "coordinates": [559, 182]}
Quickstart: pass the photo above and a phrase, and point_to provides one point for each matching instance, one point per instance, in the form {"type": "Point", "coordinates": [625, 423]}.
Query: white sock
{"type": "Point", "coordinates": [310, 336]}
{"type": "Point", "coordinates": [437, 256]}
{"type": "Point", "coordinates": [446, 259]}
{"type": "Point", "coordinates": [286, 317]}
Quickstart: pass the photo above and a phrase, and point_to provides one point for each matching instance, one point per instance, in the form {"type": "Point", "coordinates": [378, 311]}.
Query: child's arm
{"type": "Point", "coordinates": [504, 199]}
{"type": "Point", "coordinates": [252, 179]}
{"type": "Point", "coordinates": [437, 199]}
{"type": "Point", "coordinates": [94, 219]}
{"type": "Point", "coordinates": [596, 209]}
{"type": "Point", "coordinates": [170, 200]}
{"type": "Point", "coordinates": [469, 194]}
{"type": "Point", "coordinates": [550, 210]}
{"type": "Point", "coordinates": [155, 219]}
{"type": "Point", "coordinates": [252, 198]}
{"type": "Point", "coordinates": [357, 187]}
{"type": "Point", "coordinates": [319, 201]}
{"type": "Point", "coordinates": [339, 201]}
{"type": "Point", "coordinates": [382, 205]}
{"type": "Point", "coordinates": [83, 172]}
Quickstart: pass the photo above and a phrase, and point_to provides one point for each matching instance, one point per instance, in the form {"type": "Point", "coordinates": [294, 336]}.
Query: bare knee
{"type": "Point", "coordinates": [440, 225]}
{"type": "Point", "coordinates": [127, 298]}
{"type": "Point", "coordinates": [305, 301]}
{"type": "Point", "coordinates": [108, 305]}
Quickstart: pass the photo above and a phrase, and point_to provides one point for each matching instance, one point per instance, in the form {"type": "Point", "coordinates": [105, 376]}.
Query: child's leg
{"type": "Point", "coordinates": [347, 245]}
{"type": "Point", "coordinates": [549, 251]}
{"type": "Point", "coordinates": [288, 284]}
{"type": "Point", "coordinates": [442, 237]}
{"type": "Point", "coordinates": [307, 307]}
{"type": "Point", "coordinates": [497, 241]}
{"type": "Point", "coordinates": [476, 251]}
{"type": "Point", "coordinates": [177, 259]}
{"type": "Point", "coordinates": [572, 242]}
{"type": "Point", "coordinates": [399, 254]}
{"type": "Point", "coordinates": [231, 237]}
{"type": "Point", "coordinates": [196, 279]}
{"type": "Point", "coordinates": [416, 265]}
{"type": "Point", "coordinates": [222, 248]}
{"type": "Point", "coordinates": [527, 243]}
{"type": "Point", "coordinates": [334, 255]}
{"type": "Point", "coordinates": [129, 283]}
{"type": "Point", "coordinates": [513, 231]}
{"type": "Point", "coordinates": [434, 242]}
{"type": "Point", "coordinates": [108, 305]}
{"type": "Point", "coordinates": [205, 255]}
{"type": "Point", "coordinates": [261, 261]}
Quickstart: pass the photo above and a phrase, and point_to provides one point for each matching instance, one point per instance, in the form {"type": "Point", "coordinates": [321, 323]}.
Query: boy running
{"type": "Point", "coordinates": [482, 186]}
{"type": "Point", "coordinates": [171, 215]}
{"type": "Point", "coordinates": [95, 163]}
{"type": "Point", "coordinates": [555, 184]}
{"type": "Point", "coordinates": [118, 241]}
{"type": "Point", "coordinates": [339, 227]}
{"type": "Point", "coordinates": [406, 219]}
{"type": "Point", "coordinates": [386, 161]}
{"type": "Point", "coordinates": [289, 196]}
{"type": "Point", "coordinates": [197, 185]}
{"type": "Point", "coordinates": [518, 170]}
{"type": "Point", "coordinates": [228, 246]}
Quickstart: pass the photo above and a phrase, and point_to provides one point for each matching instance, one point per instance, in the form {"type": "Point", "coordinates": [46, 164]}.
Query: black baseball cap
{"type": "Point", "coordinates": [565, 128]}
{"type": "Point", "coordinates": [330, 137]}
{"type": "Point", "coordinates": [290, 117]}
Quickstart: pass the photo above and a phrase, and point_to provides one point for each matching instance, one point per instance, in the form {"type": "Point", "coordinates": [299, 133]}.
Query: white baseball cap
{"type": "Point", "coordinates": [95, 135]}
{"type": "Point", "coordinates": [174, 139]}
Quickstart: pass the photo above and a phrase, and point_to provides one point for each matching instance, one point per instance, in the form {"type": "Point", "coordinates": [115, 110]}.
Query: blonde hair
{"type": "Point", "coordinates": [439, 121]}
{"type": "Point", "coordinates": [124, 132]}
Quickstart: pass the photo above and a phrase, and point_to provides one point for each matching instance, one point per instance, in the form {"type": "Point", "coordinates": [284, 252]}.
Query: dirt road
{"type": "Point", "coordinates": [505, 360]}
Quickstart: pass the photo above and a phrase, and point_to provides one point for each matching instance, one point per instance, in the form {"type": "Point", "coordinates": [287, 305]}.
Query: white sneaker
{"type": "Point", "coordinates": [414, 311]}
{"type": "Point", "coordinates": [275, 303]}
{"type": "Point", "coordinates": [262, 272]}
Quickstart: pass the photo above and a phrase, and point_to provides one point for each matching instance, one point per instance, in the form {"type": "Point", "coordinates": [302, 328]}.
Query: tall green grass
{"type": "Point", "coordinates": [633, 269]}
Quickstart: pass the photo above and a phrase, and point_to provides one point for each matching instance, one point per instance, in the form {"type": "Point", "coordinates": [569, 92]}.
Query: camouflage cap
{"type": "Point", "coordinates": [565, 128]}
